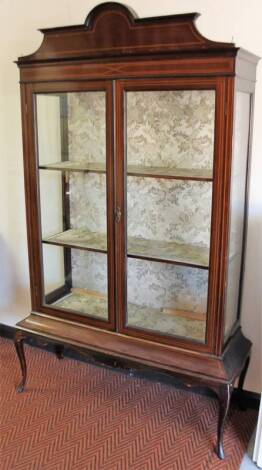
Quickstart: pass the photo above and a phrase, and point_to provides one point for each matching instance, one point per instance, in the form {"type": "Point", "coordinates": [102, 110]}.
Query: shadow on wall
{"type": "Point", "coordinates": [8, 276]}
{"type": "Point", "coordinates": [13, 297]}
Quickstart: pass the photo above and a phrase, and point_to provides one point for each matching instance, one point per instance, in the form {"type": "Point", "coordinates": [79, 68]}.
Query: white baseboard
{"type": "Point", "coordinates": [257, 456]}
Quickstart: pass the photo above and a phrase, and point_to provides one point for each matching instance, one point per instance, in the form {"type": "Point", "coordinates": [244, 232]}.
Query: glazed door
{"type": "Point", "coordinates": [166, 168]}
{"type": "Point", "coordinates": [74, 159]}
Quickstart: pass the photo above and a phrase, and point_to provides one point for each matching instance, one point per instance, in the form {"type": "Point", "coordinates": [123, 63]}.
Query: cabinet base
{"type": "Point", "coordinates": [233, 363]}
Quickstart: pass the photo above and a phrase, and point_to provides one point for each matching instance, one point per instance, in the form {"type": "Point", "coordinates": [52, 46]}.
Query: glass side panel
{"type": "Point", "coordinates": [72, 132]}
{"type": "Point", "coordinates": [170, 137]}
{"type": "Point", "coordinates": [237, 207]}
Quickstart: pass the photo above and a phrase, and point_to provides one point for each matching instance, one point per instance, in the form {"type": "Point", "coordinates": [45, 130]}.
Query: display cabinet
{"type": "Point", "coordinates": [136, 137]}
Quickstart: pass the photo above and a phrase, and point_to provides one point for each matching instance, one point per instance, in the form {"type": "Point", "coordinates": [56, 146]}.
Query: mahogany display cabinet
{"type": "Point", "coordinates": [136, 137]}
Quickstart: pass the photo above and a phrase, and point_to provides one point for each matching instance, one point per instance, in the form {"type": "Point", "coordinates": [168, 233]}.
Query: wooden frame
{"type": "Point", "coordinates": [31, 181]}
{"type": "Point", "coordinates": [217, 216]}
{"type": "Point", "coordinates": [115, 51]}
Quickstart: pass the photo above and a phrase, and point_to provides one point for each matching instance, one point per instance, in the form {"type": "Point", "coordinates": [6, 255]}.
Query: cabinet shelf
{"type": "Point", "coordinates": [134, 170]}
{"type": "Point", "coordinates": [177, 322]}
{"type": "Point", "coordinates": [164, 251]}
{"type": "Point", "coordinates": [68, 165]}
{"type": "Point", "coordinates": [79, 238]}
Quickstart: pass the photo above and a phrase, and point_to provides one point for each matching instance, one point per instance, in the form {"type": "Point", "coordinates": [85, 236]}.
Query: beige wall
{"type": "Point", "coordinates": [225, 20]}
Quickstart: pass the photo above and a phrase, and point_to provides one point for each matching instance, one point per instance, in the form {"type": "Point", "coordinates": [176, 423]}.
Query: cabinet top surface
{"type": "Point", "coordinates": [112, 30]}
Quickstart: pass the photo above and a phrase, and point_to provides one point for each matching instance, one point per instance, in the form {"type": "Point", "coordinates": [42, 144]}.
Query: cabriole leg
{"type": "Point", "coordinates": [224, 396]}
{"type": "Point", "coordinates": [19, 346]}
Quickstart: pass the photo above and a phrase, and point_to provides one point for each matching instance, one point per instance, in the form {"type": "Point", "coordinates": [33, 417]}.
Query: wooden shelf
{"type": "Point", "coordinates": [175, 173]}
{"type": "Point", "coordinates": [169, 252]}
{"type": "Point", "coordinates": [166, 321]}
{"type": "Point", "coordinates": [75, 166]}
{"type": "Point", "coordinates": [134, 170]}
{"type": "Point", "coordinates": [79, 238]}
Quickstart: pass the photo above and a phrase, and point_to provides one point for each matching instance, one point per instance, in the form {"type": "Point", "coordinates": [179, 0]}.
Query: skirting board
{"type": "Point", "coordinates": [257, 456]}
{"type": "Point", "coordinates": [251, 399]}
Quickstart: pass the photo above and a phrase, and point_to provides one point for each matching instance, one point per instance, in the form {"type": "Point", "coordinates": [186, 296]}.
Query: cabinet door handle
{"type": "Point", "coordinates": [118, 214]}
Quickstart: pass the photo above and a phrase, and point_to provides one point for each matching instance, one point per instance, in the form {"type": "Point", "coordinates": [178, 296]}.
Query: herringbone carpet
{"type": "Point", "coordinates": [76, 416]}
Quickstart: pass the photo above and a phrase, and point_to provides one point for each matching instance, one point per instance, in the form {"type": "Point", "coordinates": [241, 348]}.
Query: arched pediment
{"type": "Point", "coordinates": [113, 30]}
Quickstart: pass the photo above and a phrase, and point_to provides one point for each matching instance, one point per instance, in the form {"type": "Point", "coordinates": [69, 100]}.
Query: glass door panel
{"type": "Point", "coordinates": [167, 298]}
{"type": "Point", "coordinates": [73, 201]}
{"type": "Point", "coordinates": [171, 131]}
{"type": "Point", "coordinates": [76, 280]}
{"type": "Point", "coordinates": [169, 173]}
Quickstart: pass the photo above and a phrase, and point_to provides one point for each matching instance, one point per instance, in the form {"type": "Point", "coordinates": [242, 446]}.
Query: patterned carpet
{"type": "Point", "coordinates": [77, 416]}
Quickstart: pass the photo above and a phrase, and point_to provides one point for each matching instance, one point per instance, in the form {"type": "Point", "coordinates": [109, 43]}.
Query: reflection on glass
{"type": "Point", "coordinates": [170, 144]}
{"type": "Point", "coordinates": [72, 135]}
{"type": "Point", "coordinates": [237, 207]}
{"type": "Point", "coordinates": [51, 201]}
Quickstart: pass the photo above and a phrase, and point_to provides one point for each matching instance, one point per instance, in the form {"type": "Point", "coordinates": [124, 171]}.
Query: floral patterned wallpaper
{"type": "Point", "coordinates": [163, 285]}
{"type": "Point", "coordinates": [169, 210]}
{"type": "Point", "coordinates": [89, 270]}
{"type": "Point", "coordinates": [171, 128]}
{"type": "Point", "coordinates": [88, 201]}
{"type": "Point", "coordinates": [164, 128]}
{"type": "Point", "coordinates": [87, 126]}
